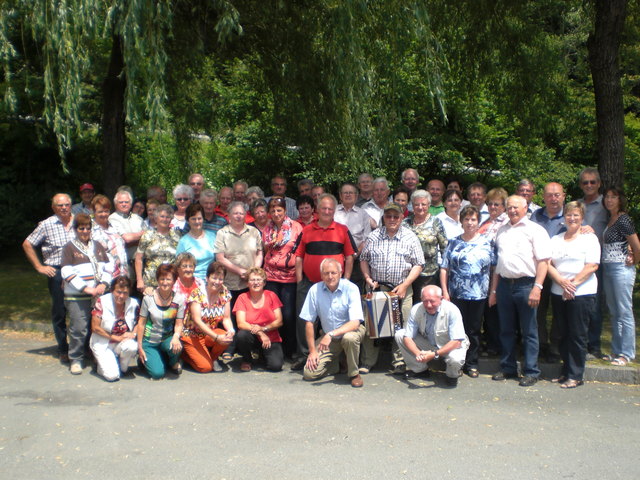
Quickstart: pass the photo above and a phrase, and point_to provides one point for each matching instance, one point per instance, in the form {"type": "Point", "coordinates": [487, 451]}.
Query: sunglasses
{"type": "Point", "coordinates": [589, 182]}
{"type": "Point", "coordinates": [181, 199]}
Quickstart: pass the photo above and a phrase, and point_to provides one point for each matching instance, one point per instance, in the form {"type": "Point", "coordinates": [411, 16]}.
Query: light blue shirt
{"type": "Point", "coordinates": [202, 249]}
{"type": "Point", "coordinates": [334, 308]}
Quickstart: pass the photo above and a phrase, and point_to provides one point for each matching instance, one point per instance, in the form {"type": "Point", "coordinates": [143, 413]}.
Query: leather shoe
{"type": "Point", "coordinates": [527, 381]}
{"type": "Point", "coordinates": [451, 382]}
{"type": "Point", "coordinates": [298, 364]}
{"type": "Point", "coordinates": [409, 374]}
{"type": "Point", "coordinates": [503, 376]}
{"type": "Point", "coordinates": [356, 382]}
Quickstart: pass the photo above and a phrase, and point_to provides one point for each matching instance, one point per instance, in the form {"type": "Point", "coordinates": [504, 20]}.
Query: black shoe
{"type": "Point", "coordinates": [409, 374]}
{"type": "Point", "coordinates": [503, 376]}
{"type": "Point", "coordinates": [399, 369]}
{"type": "Point", "coordinates": [527, 381]}
{"type": "Point", "coordinates": [451, 382]}
{"type": "Point", "coordinates": [298, 364]}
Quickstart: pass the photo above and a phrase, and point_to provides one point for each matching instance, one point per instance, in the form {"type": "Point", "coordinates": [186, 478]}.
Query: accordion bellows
{"type": "Point", "coordinates": [382, 314]}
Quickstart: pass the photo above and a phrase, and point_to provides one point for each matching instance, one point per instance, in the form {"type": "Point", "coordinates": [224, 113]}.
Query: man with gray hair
{"type": "Point", "coordinates": [596, 216]}
{"type": "Point", "coordinates": [410, 180]}
{"type": "Point", "coordinates": [375, 206]}
{"type": "Point", "coordinates": [434, 330]}
{"type": "Point", "coordinates": [51, 235]}
{"type": "Point", "coordinates": [126, 224]}
{"type": "Point", "coordinates": [336, 301]}
{"type": "Point", "coordinates": [524, 249]}
{"type": "Point", "coordinates": [211, 221]}
{"type": "Point", "coordinates": [527, 189]}
{"type": "Point", "coordinates": [239, 191]}
{"type": "Point", "coordinates": [279, 188]}
{"type": "Point", "coordinates": [365, 187]}
{"type": "Point", "coordinates": [304, 186]}
{"type": "Point", "coordinates": [196, 182]}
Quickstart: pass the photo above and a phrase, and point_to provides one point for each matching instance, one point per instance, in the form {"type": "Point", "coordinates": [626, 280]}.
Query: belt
{"type": "Point", "coordinates": [519, 280]}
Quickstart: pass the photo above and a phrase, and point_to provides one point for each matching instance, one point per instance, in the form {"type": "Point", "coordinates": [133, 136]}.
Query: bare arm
{"type": "Point", "coordinates": [32, 256]}
{"type": "Point", "coordinates": [348, 266]}
{"type": "Point", "coordinates": [444, 282]}
{"type": "Point", "coordinates": [299, 271]}
{"type": "Point", "coordinates": [541, 272]}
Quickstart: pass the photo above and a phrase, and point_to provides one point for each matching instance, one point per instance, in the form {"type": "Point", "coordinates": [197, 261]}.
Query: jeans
{"type": "Point", "coordinates": [618, 280]}
{"type": "Point", "coordinates": [573, 321]}
{"type": "Point", "coordinates": [286, 292]}
{"type": "Point", "coordinates": [58, 311]}
{"type": "Point", "coordinates": [595, 319]}
{"type": "Point", "coordinates": [514, 309]}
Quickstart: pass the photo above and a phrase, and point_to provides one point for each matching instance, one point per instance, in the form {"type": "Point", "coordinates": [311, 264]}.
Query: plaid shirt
{"type": "Point", "coordinates": [51, 236]}
{"type": "Point", "coordinates": [391, 259]}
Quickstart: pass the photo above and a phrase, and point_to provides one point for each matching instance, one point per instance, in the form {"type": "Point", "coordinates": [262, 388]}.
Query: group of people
{"type": "Point", "coordinates": [272, 279]}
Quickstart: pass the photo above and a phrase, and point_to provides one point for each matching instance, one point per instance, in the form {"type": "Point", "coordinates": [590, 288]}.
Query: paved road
{"type": "Point", "coordinates": [262, 425]}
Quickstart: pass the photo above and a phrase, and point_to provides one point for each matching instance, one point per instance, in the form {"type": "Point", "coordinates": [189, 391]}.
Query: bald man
{"type": "Point", "coordinates": [50, 236]}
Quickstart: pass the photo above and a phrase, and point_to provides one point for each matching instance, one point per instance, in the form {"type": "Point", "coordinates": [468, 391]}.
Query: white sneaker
{"type": "Point", "coordinates": [216, 366]}
{"type": "Point", "coordinates": [76, 368]}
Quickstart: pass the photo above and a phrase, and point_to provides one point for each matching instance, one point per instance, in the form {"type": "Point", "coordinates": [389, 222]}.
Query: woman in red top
{"type": "Point", "coordinates": [258, 315]}
{"type": "Point", "coordinates": [280, 239]}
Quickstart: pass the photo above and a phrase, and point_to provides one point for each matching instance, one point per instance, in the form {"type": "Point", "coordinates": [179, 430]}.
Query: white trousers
{"type": "Point", "coordinates": [113, 358]}
{"type": "Point", "coordinates": [454, 360]}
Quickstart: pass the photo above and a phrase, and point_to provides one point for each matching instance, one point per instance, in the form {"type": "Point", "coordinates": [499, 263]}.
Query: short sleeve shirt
{"type": "Point", "coordinates": [262, 316]}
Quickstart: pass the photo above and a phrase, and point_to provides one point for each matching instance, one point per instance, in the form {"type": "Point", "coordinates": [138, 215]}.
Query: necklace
{"type": "Point", "coordinates": [164, 299]}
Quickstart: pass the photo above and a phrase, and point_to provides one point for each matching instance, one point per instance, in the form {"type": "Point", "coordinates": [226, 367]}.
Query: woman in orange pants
{"type": "Point", "coordinates": [203, 340]}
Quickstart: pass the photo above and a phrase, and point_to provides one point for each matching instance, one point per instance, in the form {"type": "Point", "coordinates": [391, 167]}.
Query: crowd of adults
{"type": "Point", "coordinates": [281, 280]}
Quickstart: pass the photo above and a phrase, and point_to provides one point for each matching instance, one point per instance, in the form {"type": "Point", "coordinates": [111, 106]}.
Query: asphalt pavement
{"type": "Point", "coordinates": [261, 425]}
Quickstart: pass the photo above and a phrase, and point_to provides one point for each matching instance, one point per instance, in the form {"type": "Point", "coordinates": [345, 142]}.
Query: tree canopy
{"type": "Point", "coordinates": [322, 89]}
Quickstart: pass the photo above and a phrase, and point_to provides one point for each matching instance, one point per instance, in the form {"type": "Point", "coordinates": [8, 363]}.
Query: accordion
{"type": "Point", "coordinates": [382, 314]}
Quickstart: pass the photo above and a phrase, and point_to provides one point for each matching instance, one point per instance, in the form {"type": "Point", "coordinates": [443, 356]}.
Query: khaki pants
{"type": "Point", "coordinates": [328, 360]}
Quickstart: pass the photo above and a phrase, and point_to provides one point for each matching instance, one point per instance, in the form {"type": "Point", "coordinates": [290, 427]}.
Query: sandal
{"type": "Point", "coordinates": [226, 357]}
{"type": "Point", "coordinates": [571, 383]}
{"type": "Point", "coordinates": [245, 367]}
{"type": "Point", "coordinates": [472, 372]}
{"type": "Point", "coordinates": [560, 379]}
{"type": "Point", "coordinates": [621, 361]}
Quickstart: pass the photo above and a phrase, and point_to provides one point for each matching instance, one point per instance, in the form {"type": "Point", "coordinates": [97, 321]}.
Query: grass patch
{"type": "Point", "coordinates": [23, 292]}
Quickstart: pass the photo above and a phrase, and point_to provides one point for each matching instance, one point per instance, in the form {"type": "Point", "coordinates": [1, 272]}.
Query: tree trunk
{"type": "Point", "coordinates": [113, 116]}
{"type": "Point", "coordinates": [604, 47]}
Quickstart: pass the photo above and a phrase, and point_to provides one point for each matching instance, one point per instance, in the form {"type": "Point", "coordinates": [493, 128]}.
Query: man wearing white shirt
{"type": "Point", "coordinates": [375, 206]}
{"type": "Point", "coordinates": [524, 249]}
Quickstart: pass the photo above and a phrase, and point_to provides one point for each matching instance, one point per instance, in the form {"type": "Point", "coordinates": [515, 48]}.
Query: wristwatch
{"type": "Point", "coordinates": [436, 355]}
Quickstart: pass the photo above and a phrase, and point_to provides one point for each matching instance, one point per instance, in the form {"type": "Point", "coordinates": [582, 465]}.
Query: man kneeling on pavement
{"type": "Point", "coordinates": [434, 330]}
{"type": "Point", "coordinates": [337, 302]}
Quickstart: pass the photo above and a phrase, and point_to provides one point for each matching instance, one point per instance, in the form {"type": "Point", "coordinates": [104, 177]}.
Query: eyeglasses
{"type": "Point", "coordinates": [181, 199]}
{"type": "Point", "coordinates": [63, 205]}
{"type": "Point", "coordinates": [494, 204]}
{"type": "Point", "coordinates": [348, 193]}
{"type": "Point", "coordinates": [255, 280]}
{"type": "Point", "coordinates": [196, 183]}
{"type": "Point", "coordinates": [589, 182]}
